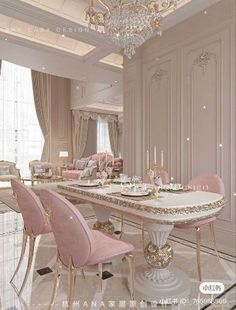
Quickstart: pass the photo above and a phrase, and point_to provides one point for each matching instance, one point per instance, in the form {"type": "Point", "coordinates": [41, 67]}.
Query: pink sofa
{"type": "Point", "coordinates": [100, 158]}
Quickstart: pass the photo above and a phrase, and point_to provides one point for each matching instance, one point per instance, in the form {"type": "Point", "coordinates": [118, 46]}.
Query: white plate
{"type": "Point", "coordinates": [87, 184]}
{"type": "Point", "coordinates": [119, 181]}
{"type": "Point", "coordinates": [172, 187]}
{"type": "Point", "coordinates": [135, 194]}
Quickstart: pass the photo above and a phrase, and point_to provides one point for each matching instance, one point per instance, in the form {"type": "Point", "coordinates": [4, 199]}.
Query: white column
{"type": "Point", "coordinates": [159, 282]}
{"type": "Point", "coordinates": [103, 223]}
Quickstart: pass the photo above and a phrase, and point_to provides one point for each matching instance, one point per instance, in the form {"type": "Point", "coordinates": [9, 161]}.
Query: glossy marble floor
{"type": "Point", "coordinates": [115, 294]}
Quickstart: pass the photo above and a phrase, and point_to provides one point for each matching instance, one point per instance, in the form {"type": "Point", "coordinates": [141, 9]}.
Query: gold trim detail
{"type": "Point", "coordinates": [106, 227]}
{"type": "Point", "coordinates": [140, 207]}
{"type": "Point", "coordinates": [158, 257]}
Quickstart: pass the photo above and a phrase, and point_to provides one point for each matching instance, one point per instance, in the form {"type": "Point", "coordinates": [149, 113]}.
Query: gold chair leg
{"type": "Point", "coordinates": [130, 260]}
{"type": "Point", "coordinates": [56, 283]}
{"type": "Point", "coordinates": [71, 286]}
{"type": "Point", "coordinates": [198, 241]}
{"type": "Point", "coordinates": [100, 276]}
{"type": "Point", "coordinates": [214, 239]}
{"type": "Point", "coordinates": [30, 260]}
{"type": "Point", "coordinates": [23, 247]}
{"type": "Point", "coordinates": [82, 273]}
{"type": "Point", "coordinates": [121, 226]}
{"type": "Point", "coordinates": [143, 236]}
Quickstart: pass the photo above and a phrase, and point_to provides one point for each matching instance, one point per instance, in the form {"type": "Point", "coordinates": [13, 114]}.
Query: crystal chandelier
{"type": "Point", "coordinates": [128, 23]}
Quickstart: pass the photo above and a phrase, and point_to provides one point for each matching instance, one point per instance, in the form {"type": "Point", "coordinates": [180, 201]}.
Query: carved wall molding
{"type": "Point", "coordinates": [203, 60]}
{"type": "Point", "coordinates": [159, 75]}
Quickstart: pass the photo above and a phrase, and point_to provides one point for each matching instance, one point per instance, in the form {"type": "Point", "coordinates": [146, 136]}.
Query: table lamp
{"type": "Point", "coordinates": [63, 155]}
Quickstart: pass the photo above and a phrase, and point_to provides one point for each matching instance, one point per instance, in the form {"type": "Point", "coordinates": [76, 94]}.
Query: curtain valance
{"type": "Point", "coordinates": [86, 115]}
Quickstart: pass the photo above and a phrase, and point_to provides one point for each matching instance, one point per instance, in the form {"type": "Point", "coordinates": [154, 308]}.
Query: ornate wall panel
{"type": "Point", "coordinates": [206, 110]}
{"type": "Point", "coordinates": [133, 130]}
{"type": "Point", "coordinates": [129, 140]}
{"type": "Point", "coordinates": [188, 105]}
{"type": "Point", "coordinates": [160, 110]}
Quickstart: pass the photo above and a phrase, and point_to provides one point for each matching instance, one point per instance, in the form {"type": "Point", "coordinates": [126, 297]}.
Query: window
{"type": "Point", "coordinates": [21, 138]}
{"type": "Point", "coordinates": [103, 140]}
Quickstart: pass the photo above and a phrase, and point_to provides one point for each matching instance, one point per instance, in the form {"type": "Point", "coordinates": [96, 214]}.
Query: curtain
{"type": "Point", "coordinates": [0, 66]}
{"type": "Point", "coordinates": [80, 133]}
{"type": "Point", "coordinates": [42, 98]}
{"type": "Point", "coordinates": [113, 134]}
{"type": "Point", "coordinates": [103, 139]}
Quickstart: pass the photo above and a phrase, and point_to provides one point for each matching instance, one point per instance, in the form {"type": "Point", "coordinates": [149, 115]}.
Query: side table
{"type": "Point", "coordinates": [60, 169]}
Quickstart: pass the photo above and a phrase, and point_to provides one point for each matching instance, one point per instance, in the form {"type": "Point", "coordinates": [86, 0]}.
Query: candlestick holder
{"type": "Point", "coordinates": [150, 173]}
{"type": "Point", "coordinates": [155, 170]}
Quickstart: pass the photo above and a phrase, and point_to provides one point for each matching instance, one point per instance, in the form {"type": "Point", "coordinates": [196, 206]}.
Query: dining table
{"type": "Point", "coordinates": [158, 280]}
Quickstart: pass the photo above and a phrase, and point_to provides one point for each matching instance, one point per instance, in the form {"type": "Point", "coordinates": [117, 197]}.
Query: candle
{"type": "Point", "coordinates": [155, 155]}
{"type": "Point", "coordinates": [113, 161]}
{"type": "Point", "coordinates": [99, 163]}
{"type": "Point", "coordinates": [147, 159]}
{"type": "Point", "coordinates": [162, 159]}
{"type": "Point", "coordinates": [106, 159]}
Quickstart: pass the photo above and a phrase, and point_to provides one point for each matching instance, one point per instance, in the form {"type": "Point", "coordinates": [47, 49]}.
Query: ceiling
{"type": "Point", "coordinates": [52, 36]}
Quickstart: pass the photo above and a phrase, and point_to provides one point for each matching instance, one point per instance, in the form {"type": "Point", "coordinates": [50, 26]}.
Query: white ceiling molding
{"type": "Point", "coordinates": [186, 11]}
{"type": "Point", "coordinates": [59, 16]}
{"type": "Point", "coordinates": [55, 62]}
{"type": "Point", "coordinates": [113, 59]}
{"type": "Point", "coordinates": [13, 27]}
{"type": "Point", "coordinates": [56, 23]}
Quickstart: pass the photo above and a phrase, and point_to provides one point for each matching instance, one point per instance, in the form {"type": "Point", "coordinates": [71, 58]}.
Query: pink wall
{"type": "Point", "coordinates": [179, 94]}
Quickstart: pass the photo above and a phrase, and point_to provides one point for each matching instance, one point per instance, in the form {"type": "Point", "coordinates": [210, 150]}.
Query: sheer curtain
{"type": "Point", "coordinates": [103, 139]}
{"type": "Point", "coordinates": [21, 138]}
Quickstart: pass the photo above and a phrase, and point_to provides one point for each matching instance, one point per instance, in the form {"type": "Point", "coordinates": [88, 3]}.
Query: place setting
{"type": "Point", "coordinates": [135, 190]}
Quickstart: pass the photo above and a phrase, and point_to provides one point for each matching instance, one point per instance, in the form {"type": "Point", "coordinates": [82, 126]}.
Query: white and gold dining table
{"type": "Point", "coordinates": [158, 281]}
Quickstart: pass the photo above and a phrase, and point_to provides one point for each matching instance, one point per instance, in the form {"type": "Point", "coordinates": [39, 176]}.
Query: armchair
{"type": "Point", "coordinates": [8, 171]}
{"type": "Point", "coordinates": [41, 169]}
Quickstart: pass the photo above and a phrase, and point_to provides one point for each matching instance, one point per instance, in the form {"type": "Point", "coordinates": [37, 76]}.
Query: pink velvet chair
{"type": "Point", "coordinates": [209, 183]}
{"type": "Point", "coordinates": [79, 246]}
{"type": "Point", "coordinates": [35, 223]}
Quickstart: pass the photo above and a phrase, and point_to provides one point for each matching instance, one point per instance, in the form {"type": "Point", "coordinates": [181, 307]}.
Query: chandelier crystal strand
{"type": "Point", "coordinates": [129, 23]}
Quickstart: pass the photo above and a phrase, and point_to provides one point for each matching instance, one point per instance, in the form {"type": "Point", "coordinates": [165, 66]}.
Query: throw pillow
{"type": "Point", "coordinates": [92, 163]}
{"type": "Point", "coordinates": [85, 173]}
{"type": "Point", "coordinates": [80, 164]}
{"type": "Point", "coordinates": [4, 170]}
{"type": "Point", "coordinates": [38, 169]}
{"type": "Point", "coordinates": [102, 166]}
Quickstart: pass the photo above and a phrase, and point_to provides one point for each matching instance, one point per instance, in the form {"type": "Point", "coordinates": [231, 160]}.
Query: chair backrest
{"type": "Point", "coordinates": [12, 167]}
{"type": "Point", "coordinates": [73, 237]}
{"type": "Point", "coordinates": [33, 213]}
{"type": "Point", "coordinates": [44, 168]}
{"type": "Point", "coordinates": [208, 182]}
{"type": "Point", "coordinates": [163, 174]}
